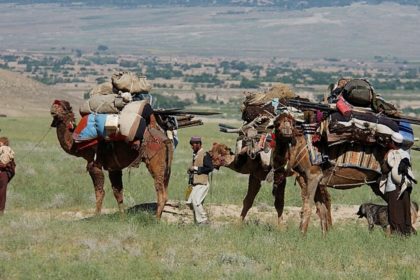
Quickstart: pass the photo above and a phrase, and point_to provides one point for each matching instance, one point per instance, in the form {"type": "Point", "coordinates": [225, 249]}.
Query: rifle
{"type": "Point", "coordinates": [305, 105]}
{"type": "Point", "coordinates": [190, 123]}
{"type": "Point", "coordinates": [228, 128]}
{"type": "Point", "coordinates": [415, 148]}
{"type": "Point", "coordinates": [183, 118]}
{"type": "Point", "coordinates": [300, 104]}
{"type": "Point", "coordinates": [179, 111]}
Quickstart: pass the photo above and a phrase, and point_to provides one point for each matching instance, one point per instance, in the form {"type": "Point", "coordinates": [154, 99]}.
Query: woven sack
{"type": "Point", "coordinates": [130, 82]}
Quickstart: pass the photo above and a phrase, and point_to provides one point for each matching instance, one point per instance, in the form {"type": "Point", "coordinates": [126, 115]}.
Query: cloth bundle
{"type": "Point", "coordinates": [129, 124]}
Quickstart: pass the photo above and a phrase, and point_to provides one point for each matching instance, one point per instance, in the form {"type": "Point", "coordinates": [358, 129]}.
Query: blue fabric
{"type": "Point", "coordinates": [100, 120]}
{"type": "Point", "coordinates": [406, 131]}
{"type": "Point", "coordinates": [89, 132]}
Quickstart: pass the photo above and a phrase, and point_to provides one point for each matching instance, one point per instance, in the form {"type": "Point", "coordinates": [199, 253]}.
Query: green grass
{"type": "Point", "coordinates": [37, 243]}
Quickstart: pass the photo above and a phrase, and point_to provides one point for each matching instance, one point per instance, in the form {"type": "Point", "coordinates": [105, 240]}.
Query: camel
{"type": "Point", "coordinates": [222, 155]}
{"type": "Point", "coordinates": [318, 177]}
{"type": "Point", "coordinates": [156, 151]}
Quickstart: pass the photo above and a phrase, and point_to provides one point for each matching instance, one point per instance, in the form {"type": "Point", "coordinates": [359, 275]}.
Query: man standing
{"type": "Point", "coordinates": [199, 180]}
{"type": "Point", "coordinates": [7, 170]}
{"type": "Point", "coordinates": [398, 187]}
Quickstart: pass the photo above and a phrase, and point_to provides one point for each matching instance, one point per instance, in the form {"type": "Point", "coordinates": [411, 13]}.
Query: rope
{"type": "Point", "coordinates": [297, 157]}
{"type": "Point", "coordinates": [37, 144]}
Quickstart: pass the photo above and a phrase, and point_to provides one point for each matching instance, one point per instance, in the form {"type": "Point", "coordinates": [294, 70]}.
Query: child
{"type": "Point", "coordinates": [6, 153]}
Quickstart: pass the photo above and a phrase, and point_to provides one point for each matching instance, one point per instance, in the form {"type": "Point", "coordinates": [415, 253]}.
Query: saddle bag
{"type": "Point", "coordinates": [358, 92]}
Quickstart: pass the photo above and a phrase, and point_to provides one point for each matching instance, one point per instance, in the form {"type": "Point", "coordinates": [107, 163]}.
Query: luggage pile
{"type": "Point", "coordinates": [363, 116]}
{"type": "Point", "coordinates": [116, 110]}
{"type": "Point", "coordinates": [355, 115]}
{"type": "Point", "coordinates": [258, 112]}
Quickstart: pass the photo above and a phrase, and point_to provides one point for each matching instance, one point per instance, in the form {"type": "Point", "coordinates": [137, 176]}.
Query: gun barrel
{"type": "Point", "coordinates": [184, 117]}
{"type": "Point", "coordinates": [190, 123]}
{"type": "Point", "coordinates": [309, 105]}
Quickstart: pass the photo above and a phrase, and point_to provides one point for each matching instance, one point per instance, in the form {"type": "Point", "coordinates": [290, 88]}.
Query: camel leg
{"type": "Point", "coordinates": [98, 179]}
{"type": "Point", "coordinates": [326, 198]}
{"type": "Point", "coordinates": [157, 167]}
{"type": "Point", "coordinates": [115, 177]}
{"type": "Point", "coordinates": [254, 186]}
{"type": "Point", "coordinates": [279, 187]}
{"type": "Point", "coordinates": [312, 184]}
{"type": "Point", "coordinates": [169, 157]}
{"type": "Point", "coordinates": [322, 210]}
{"type": "Point", "coordinates": [169, 151]}
{"type": "Point", "coordinates": [303, 191]}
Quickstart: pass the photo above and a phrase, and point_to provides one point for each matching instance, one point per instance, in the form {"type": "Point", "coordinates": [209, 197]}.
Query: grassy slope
{"type": "Point", "coordinates": [36, 243]}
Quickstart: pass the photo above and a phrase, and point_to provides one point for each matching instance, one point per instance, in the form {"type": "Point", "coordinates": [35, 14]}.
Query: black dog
{"type": "Point", "coordinates": [378, 214]}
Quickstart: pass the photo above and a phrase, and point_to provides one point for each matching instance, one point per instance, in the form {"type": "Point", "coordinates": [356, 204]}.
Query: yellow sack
{"type": "Point", "coordinates": [188, 191]}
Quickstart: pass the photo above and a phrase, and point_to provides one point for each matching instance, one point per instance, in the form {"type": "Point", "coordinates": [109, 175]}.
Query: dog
{"type": "Point", "coordinates": [378, 214]}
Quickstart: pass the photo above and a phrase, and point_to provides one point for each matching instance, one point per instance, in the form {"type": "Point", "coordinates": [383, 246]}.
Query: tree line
{"type": "Point", "coordinates": [225, 74]}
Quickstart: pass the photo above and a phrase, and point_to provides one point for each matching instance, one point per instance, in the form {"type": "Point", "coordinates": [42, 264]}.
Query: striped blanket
{"type": "Point", "coordinates": [356, 155]}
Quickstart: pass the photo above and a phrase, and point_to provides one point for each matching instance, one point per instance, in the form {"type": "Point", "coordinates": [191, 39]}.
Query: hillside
{"type": "Point", "coordinates": [282, 4]}
{"type": "Point", "coordinates": [22, 96]}
{"type": "Point", "coordinates": [358, 31]}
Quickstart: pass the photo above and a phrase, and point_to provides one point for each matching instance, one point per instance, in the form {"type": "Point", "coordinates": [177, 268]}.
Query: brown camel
{"type": "Point", "coordinates": [156, 151]}
{"type": "Point", "coordinates": [318, 177]}
{"type": "Point", "coordinates": [222, 155]}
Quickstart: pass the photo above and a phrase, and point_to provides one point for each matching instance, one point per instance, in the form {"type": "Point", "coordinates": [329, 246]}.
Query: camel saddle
{"type": "Point", "coordinates": [151, 144]}
{"type": "Point", "coordinates": [356, 155]}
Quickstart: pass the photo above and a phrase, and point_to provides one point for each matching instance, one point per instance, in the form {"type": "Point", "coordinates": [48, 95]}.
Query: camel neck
{"type": "Point", "coordinates": [65, 136]}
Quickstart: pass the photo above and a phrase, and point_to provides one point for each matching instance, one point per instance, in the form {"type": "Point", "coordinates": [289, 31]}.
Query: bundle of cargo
{"type": "Point", "coordinates": [121, 110]}
{"type": "Point", "coordinates": [364, 127]}
{"type": "Point", "coordinates": [346, 122]}
{"type": "Point", "coordinates": [102, 89]}
{"type": "Point", "coordinates": [111, 97]}
{"type": "Point", "coordinates": [111, 114]}
{"type": "Point", "coordinates": [130, 82]}
{"type": "Point", "coordinates": [260, 103]}
{"type": "Point", "coordinates": [127, 125]}
{"type": "Point", "coordinates": [360, 93]}
{"type": "Point", "coordinates": [258, 110]}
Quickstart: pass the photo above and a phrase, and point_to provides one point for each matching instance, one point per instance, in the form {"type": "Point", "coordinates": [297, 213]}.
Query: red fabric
{"type": "Point", "coordinates": [273, 140]}
{"type": "Point", "coordinates": [343, 107]}
{"type": "Point", "coordinates": [86, 144]}
{"type": "Point", "coordinates": [82, 124]}
{"type": "Point", "coordinates": [316, 138]}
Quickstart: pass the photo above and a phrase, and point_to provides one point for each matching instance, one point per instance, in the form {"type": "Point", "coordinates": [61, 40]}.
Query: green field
{"type": "Point", "coordinates": [37, 243]}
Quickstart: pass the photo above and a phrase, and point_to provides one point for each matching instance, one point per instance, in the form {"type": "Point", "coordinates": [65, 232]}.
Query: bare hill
{"type": "Point", "coordinates": [22, 96]}
{"type": "Point", "coordinates": [358, 31]}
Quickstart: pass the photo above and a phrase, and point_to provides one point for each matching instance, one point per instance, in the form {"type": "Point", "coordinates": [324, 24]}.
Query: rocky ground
{"type": "Point", "coordinates": [222, 214]}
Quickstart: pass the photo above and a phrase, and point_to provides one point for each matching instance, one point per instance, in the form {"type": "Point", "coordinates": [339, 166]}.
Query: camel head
{"type": "Point", "coordinates": [61, 111]}
{"type": "Point", "coordinates": [221, 155]}
{"type": "Point", "coordinates": [285, 126]}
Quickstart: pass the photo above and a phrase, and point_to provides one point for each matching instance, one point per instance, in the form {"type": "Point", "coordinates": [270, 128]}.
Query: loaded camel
{"type": "Point", "coordinates": [156, 151]}
{"type": "Point", "coordinates": [318, 177]}
{"type": "Point", "coordinates": [222, 155]}
{"type": "Point", "coordinates": [250, 162]}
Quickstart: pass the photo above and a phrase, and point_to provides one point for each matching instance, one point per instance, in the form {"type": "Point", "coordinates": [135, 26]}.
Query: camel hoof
{"type": "Point", "coordinates": [121, 208]}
